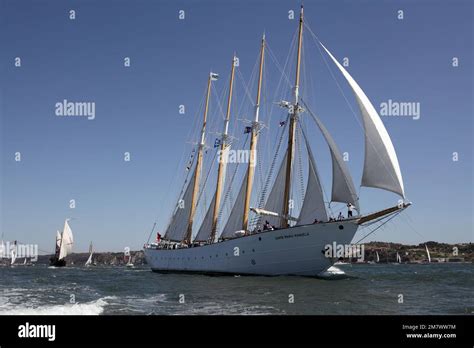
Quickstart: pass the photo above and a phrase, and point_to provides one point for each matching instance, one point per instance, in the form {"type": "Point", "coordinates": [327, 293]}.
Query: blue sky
{"type": "Point", "coordinates": [407, 60]}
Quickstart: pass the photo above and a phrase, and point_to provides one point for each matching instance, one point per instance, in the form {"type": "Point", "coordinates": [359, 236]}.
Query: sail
{"type": "Point", "coordinates": [428, 253]}
{"type": "Point", "coordinates": [313, 204]}
{"type": "Point", "coordinates": [234, 222]}
{"type": "Point", "coordinates": [275, 199]}
{"type": "Point", "coordinates": [343, 189]}
{"type": "Point", "coordinates": [399, 260]}
{"type": "Point", "coordinates": [66, 241]}
{"type": "Point", "coordinates": [89, 260]}
{"type": "Point", "coordinates": [58, 239]}
{"type": "Point", "coordinates": [206, 225]}
{"type": "Point", "coordinates": [179, 222]}
{"type": "Point", "coordinates": [378, 258]}
{"type": "Point", "coordinates": [381, 168]}
{"type": "Point", "coordinates": [13, 255]}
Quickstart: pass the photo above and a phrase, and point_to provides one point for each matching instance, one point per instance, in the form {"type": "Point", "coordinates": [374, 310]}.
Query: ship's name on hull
{"type": "Point", "coordinates": [286, 236]}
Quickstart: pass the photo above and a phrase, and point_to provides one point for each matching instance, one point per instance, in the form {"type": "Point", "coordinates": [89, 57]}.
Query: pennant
{"type": "Point", "coordinates": [214, 76]}
{"type": "Point", "coordinates": [282, 123]}
{"type": "Point", "coordinates": [217, 143]}
{"type": "Point", "coordinates": [247, 130]}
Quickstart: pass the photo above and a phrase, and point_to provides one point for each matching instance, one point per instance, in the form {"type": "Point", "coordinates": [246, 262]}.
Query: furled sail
{"type": "Point", "coordinates": [234, 222]}
{"type": "Point", "coordinates": [313, 204]}
{"type": "Point", "coordinates": [343, 189]}
{"type": "Point", "coordinates": [206, 225]}
{"type": "Point", "coordinates": [66, 241]}
{"type": "Point", "coordinates": [178, 225]}
{"type": "Point", "coordinates": [381, 168]}
{"type": "Point", "coordinates": [275, 198]}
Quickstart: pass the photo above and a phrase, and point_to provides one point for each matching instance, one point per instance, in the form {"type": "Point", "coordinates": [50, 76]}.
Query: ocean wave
{"type": "Point", "coordinates": [89, 308]}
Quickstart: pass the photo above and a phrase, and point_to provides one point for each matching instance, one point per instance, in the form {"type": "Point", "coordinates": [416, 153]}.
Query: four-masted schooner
{"type": "Point", "coordinates": [287, 245]}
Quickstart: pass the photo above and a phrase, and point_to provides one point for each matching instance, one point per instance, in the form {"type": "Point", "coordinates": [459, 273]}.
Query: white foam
{"type": "Point", "coordinates": [88, 308]}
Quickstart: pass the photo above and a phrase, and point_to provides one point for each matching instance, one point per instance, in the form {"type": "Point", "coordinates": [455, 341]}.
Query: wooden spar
{"type": "Point", "coordinates": [222, 157]}
{"type": "Point", "coordinates": [197, 172]}
{"type": "Point", "coordinates": [253, 142]}
{"type": "Point", "coordinates": [292, 128]}
{"type": "Point", "coordinates": [381, 213]}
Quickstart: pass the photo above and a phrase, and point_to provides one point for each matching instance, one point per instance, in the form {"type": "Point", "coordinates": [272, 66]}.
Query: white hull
{"type": "Point", "coordinates": [292, 251]}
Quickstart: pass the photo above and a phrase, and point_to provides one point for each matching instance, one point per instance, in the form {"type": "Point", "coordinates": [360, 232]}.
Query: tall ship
{"type": "Point", "coordinates": [263, 232]}
{"type": "Point", "coordinates": [63, 246]}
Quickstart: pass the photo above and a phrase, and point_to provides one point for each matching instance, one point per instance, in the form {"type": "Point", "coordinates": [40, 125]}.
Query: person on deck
{"type": "Point", "coordinates": [350, 208]}
{"type": "Point", "coordinates": [340, 217]}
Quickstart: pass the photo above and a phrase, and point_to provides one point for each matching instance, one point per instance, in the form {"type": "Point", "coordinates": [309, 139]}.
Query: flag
{"type": "Point", "coordinates": [214, 76]}
{"type": "Point", "coordinates": [282, 123]}
{"type": "Point", "coordinates": [247, 130]}
{"type": "Point", "coordinates": [217, 142]}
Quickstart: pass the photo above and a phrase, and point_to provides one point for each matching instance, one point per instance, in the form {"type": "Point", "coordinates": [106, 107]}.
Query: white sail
{"type": "Point", "coordinates": [378, 258]}
{"type": "Point", "coordinates": [399, 259]}
{"type": "Point", "coordinates": [58, 239]}
{"type": "Point", "coordinates": [24, 262]}
{"type": "Point", "coordinates": [381, 168]}
{"type": "Point", "coordinates": [66, 241]}
{"type": "Point", "coordinates": [206, 225]}
{"type": "Point", "coordinates": [275, 198]}
{"type": "Point", "coordinates": [178, 225]}
{"type": "Point", "coordinates": [91, 252]}
{"type": "Point", "coordinates": [13, 255]}
{"type": "Point", "coordinates": [343, 189]}
{"type": "Point", "coordinates": [234, 222]}
{"type": "Point", "coordinates": [313, 204]}
{"type": "Point", "coordinates": [428, 253]}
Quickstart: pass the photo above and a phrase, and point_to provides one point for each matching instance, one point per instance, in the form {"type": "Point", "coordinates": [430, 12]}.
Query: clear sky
{"type": "Point", "coordinates": [62, 158]}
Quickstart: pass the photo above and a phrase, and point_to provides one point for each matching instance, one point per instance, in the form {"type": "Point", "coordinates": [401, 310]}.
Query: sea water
{"type": "Point", "coordinates": [367, 289]}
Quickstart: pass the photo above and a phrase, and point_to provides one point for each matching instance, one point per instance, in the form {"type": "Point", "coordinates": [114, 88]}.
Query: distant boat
{"type": "Point", "coordinates": [378, 258]}
{"type": "Point", "coordinates": [13, 256]}
{"type": "Point", "coordinates": [128, 259]}
{"type": "Point", "coordinates": [399, 259]}
{"type": "Point", "coordinates": [64, 243]}
{"type": "Point", "coordinates": [89, 260]}
{"type": "Point", "coordinates": [428, 253]}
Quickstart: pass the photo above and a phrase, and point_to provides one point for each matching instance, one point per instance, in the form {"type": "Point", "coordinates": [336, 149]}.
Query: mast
{"type": "Point", "coordinates": [197, 175]}
{"type": "Point", "coordinates": [295, 109]}
{"type": "Point", "coordinates": [253, 142]}
{"type": "Point", "coordinates": [222, 159]}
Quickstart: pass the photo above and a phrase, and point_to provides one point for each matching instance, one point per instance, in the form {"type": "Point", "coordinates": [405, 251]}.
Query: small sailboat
{"type": "Point", "coordinates": [399, 259]}
{"type": "Point", "coordinates": [13, 256]}
{"type": "Point", "coordinates": [89, 260]}
{"type": "Point", "coordinates": [377, 255]}
{"type": "Point", "coordinates": [64, 243]}
{"type": "Point", "coordinates": [428, 253]}
{"type": "Point", "coordinates": [128, 260]}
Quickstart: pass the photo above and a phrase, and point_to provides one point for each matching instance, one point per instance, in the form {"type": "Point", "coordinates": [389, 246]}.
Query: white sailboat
{"type": "Point", "coordinates": [89, 260]}
{"type": "Point", "coordinates": [128, 260]}
{"type": "Point", "coordinates": [13, 256]}
{"type": "Point", "coordinates": [428, 254]}
{"type": "Point", "coordinates": [291, 243]}
{"type": "Point", "coordinates": [399, 259]}
{"type": "Point", "coordinates": [63, 246]}
{"type": "Point", "coordinates": [377, 255]}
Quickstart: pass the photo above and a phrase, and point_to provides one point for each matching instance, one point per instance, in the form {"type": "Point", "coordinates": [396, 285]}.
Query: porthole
{"type": "Point", "coordinates": [341, 227]}
{"type": "Point", "coordinates": [259, 238]}
{"type": "Point", "coordinates": [253, 262]}
{"type": "Point", "coordinates": [253, 250]}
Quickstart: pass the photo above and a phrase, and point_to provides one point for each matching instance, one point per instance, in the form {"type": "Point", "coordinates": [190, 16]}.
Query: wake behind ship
{"type": "Point", "coordinates": [272, 237]}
